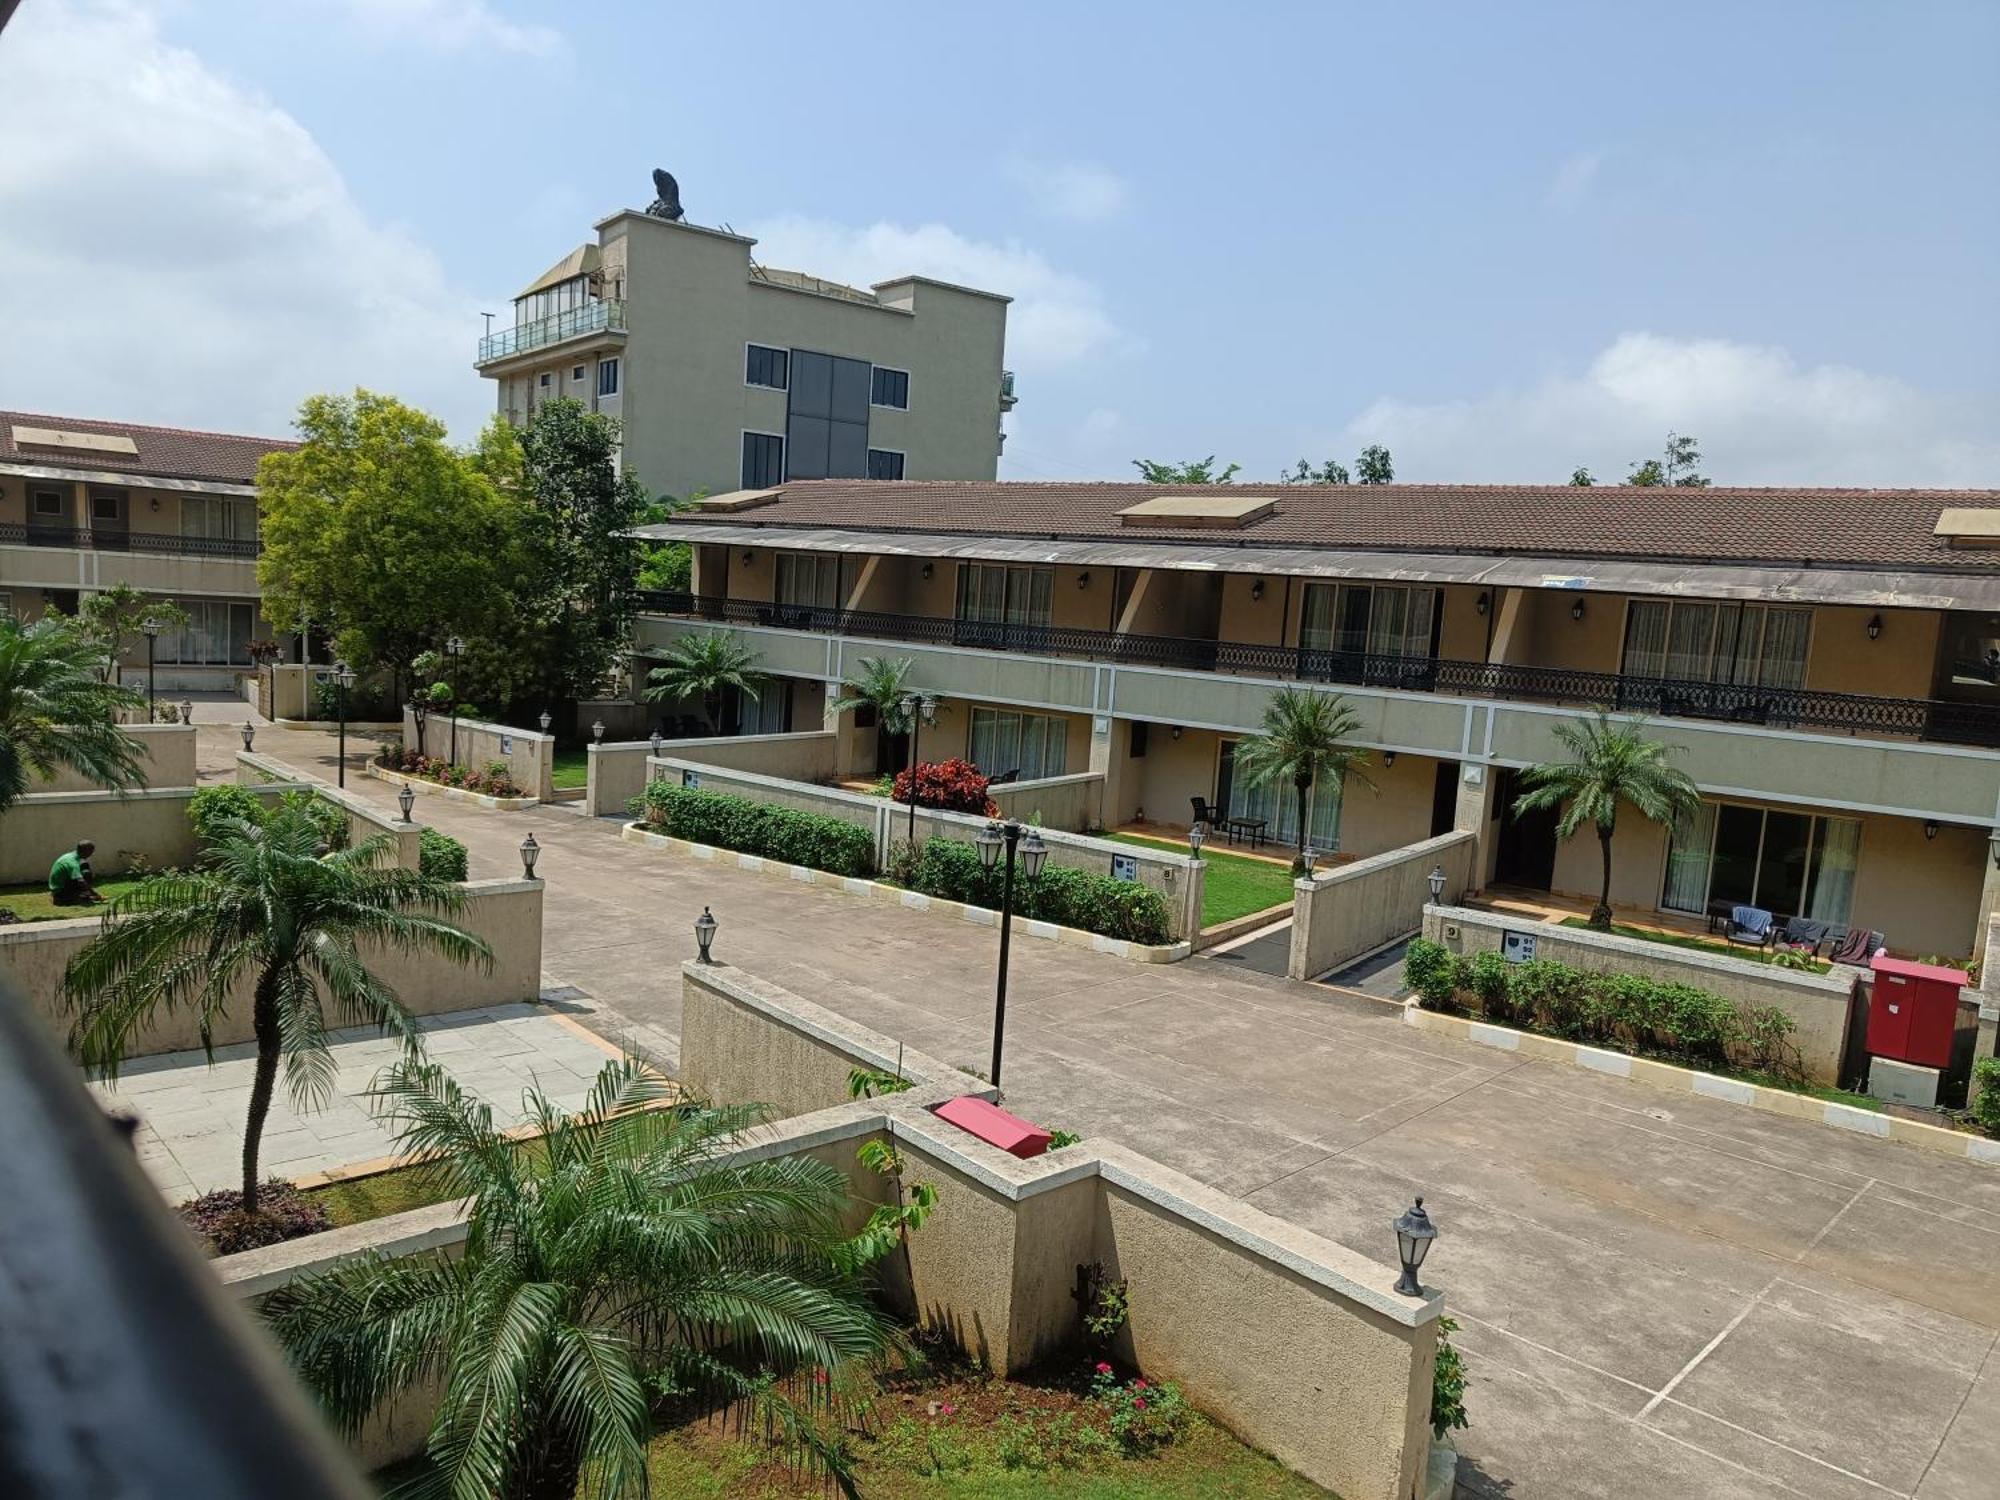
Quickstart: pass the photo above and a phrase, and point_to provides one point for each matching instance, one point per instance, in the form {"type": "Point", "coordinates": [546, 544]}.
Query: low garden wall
{"type": "Point", "coordinates": [293, 698]}
{"type": "Point", "coordinates": [1071, 803]}
{"type": "Point", "coordinates": [166, 755]}
{"type": "Point", "coordinates": [1355, 909]}
{"type": "Point", "coordinates": [618, 770]}
{"type": "Point", "coordinates": [1818, 1004]}
{"type": "Point", "coordinates": [507, 913]}
{"type": "Point", "coordinates": [363, 821]}
{"type": "Point", "coordinates": [150, 826]}
{"type": "Point", "coordinates": [529, 754]}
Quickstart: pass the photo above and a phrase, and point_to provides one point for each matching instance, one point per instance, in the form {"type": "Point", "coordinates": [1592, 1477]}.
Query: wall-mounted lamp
{"type": "Point", "coordinates": [1083, 579]}
{"type": "Point", "coordinates": [1388, 759]}
{"type": "Point", "coordinates": [1874, 627]}
{"type": "Point", "coordinates": [1576, 610]}
{"type": "Point", "coordinates": [749, 558]}
{"type": "Point", "coordinates": [924, 571]}
{"type": "Point", "coordinates": [156, 505]}
{"type": "Point", "coordinates": [1930, 828]}
{"type": "Point", "coordinates": [1175, 731]}
{"type": "Point", "coordinates": [1483, 603]}
{"type": "Point", "coordinates": [1257, 589]}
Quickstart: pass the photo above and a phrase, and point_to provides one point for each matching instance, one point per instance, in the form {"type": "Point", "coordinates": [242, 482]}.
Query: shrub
{"type": "Point", "coordinates": [1986, 1107]}
{"type": "Point", "coordinates": [213, 806]}
{"type": "Point", "coordinates": [1144, 1416]}
{"type": "Point", "coordinates": [953, 785]}
{"type": "Point", "coordinates": [440, 856]}
{"type": "Point", "coordinates": [1486, 977]}
{"type": "Point", "coordinates": [1447, 1384]}
{"type": "Point", "coordinates": [781, 833]}
{"type": "Point", "coordinates": [1039, 1441]}
{"type": "Point", "coordinates": [283, 1213]}
{"type": "Point", "coordinates": [328, 818]}
{"type": "Point", "coordinates": [1430, 969]}
{"type": "Point", "coordinates": [1070, 898]}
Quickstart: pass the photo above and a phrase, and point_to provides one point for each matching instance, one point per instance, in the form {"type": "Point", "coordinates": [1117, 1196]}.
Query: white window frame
{"type": "Point", "coordinates": [909, 384]}
{"type": "Point", "coordinates": [759, 432]}
{"type": "Point", "coordinates": [757, 385]}
{"type": "Point", "coordinates": [578, 374]}
{"type": "Point", "coordinates": [900, 453]}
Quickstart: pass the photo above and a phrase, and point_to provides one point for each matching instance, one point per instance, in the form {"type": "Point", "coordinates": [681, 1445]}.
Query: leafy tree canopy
{"type": "Point", "coordinates": [1374, 466]}
{"type": "Point", "coordinates": [1330, 472]}
{"type": "Point", "coordinates": [1678, 467]}
{"type": "Point", "coordinates": [1200, 471]}
{"type": "Point", "coordinates": [1581, 478]}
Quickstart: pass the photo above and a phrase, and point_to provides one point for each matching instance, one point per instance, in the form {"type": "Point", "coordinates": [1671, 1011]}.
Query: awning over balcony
{"type": "Point", "coordinates": [1804, 585]}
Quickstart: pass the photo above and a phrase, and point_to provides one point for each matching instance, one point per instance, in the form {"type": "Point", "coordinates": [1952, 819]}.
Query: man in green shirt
{"type": "Point", "coordinates": [69, 878]}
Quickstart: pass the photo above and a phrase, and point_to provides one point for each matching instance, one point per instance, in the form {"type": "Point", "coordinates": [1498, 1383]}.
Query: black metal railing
{"type": "Point", "coordinates": [1770, 707]}
{"type": "Point", "coordinates": [127, 541]}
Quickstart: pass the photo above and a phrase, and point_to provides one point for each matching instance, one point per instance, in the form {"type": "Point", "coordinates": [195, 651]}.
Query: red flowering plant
{"type": "Point", "coordinates": [954, 785]}
{"type": "Point", "coordinates": [1143, 1415]}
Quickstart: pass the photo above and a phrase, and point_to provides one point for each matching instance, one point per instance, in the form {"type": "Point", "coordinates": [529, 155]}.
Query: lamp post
{"type": "Point", "coordinates": [343, 679]}
{"type": "Point", "coordinates": [1197, 836]}
{"type": "Point", "coordinates": [406, 799]}
{"type": "Point", "coordinates": [530, 852]}
{"type": "Point", "coordinates": [1034, 854]}
{"type": "Point", "coordinates": [704, 935]}
{"type": "Point", "coordinates": [658, 743]}
{"type": "Point", "coordinates": [918, 711]}
{"type": "Point", "coordinates": [1414, 1233]}
{"type": "Point", "coordinates": [454, 648]}
{"type": "Point", "coordinates": [187, 710]}
{"type": "Point", "coordinates": [152, 625]}
{"type": "Point", "coordinates": [1309, 859]}
{"type": "Point", "coordinates": [1436, 880]}
{"type": "Point", "coordinates": [546, 720]}
{"type": "Point", "coordinates": [249, 735]}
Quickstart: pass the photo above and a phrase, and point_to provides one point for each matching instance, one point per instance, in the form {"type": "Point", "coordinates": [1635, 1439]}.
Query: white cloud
{"type": "Point", "coordinates": [1057, 318]}
{"type": "Point", "coordinates": [175, 248]}
{"type": "Point", "coordinates": [450, 26]}
{"type": "Point", "coordinates": [1573, 179]}
{"type": "Point", "coordinates": [1071, 190]}
{"type": "Point", "coordinates": [1760, 416]}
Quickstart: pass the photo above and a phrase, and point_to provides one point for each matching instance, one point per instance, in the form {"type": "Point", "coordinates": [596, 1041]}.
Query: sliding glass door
{"type": "Point", "coordinates": [1794, 864]}
{"type": "Point", "coordinates": [1277, 803]}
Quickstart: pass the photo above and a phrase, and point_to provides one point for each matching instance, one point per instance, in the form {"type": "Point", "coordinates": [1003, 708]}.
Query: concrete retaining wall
{"type": "Point", "coordinates": [1819, 1004]}
{"type": "Point", "coordinates": [530, 754]}
{"type": "Point", "coordinates": [507, 913]}
{"type": "Point", "coordinates": [166, 753]}
{"type": "Point", "coordinates": [1072, 803]}
{"type": "Point", "coordinates": [1354, 909]}
{"type": "Point", "coordinates": [363, 822]}
{"type": "Point", "coordinates": [618, 770]}
{"type": "Point", "coordinates": [150, 825]}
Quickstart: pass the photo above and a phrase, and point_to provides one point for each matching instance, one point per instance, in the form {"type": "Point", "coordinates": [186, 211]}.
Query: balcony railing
{"type": "Point", "coordinates": [604, 316]}
{"type": "Point", "coordinates": [1775, 708]}
{"type": "Point", "coordinates": [1006, 387]}
{"type": "Point", "coordinates": [127, 541]}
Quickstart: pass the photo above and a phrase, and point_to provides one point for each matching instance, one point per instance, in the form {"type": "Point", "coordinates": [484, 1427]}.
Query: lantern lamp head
{"type": "Point", "coordinates": [1309, 859]}
{"type": "Point", "coordinates": [1034, 854]}
{"type": "Point", "coordinates": [187, 711]}
{"type": "Point", "coordinates": [1930, 829]}
{"type": "Point", "coordinates": [704, 935]}
{"type": "Point", "coordinates": [1483, 603]}
{"type": "Point", "coordinates": [530, 852]}
{"type": "Point", "coordinates": [1414, 1233]}
{"type": "Point", "coordinates": [1436, 880]}
{"type": "Point", "coordinates": [1874, 627]}
{"type": "Point", "coordinates": [597, 731]}
{"type": "Point", "coordinates": [406, 799]}
{"type": "Point", "coordinates": [989, 842]}
{"type": "Point", "coordinates": [1196, 836]}
{"type": "Point", "coordinates": [1576, 610]}
{"type": "Point", "coordinates": [546, 720]}
{"type": "Point", "coordinates": [249, 734]}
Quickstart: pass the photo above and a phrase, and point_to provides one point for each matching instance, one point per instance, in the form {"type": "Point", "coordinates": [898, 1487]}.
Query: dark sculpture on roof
{"type": "Point", "coordinates": [668, 204]}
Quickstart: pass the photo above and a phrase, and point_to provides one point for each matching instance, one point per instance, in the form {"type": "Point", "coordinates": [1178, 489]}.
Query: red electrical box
{"type": "Point", "coordinates": [1914, 1012]}
{"type": "Point", "coordinates": [995, 1126]}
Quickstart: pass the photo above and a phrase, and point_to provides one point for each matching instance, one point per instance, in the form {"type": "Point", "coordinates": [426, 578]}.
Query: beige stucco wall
{"type": "Point", "coordinates": [1392, 811]}
{"type": "Point", "coordinates": [151, 825]}
{"type": "Point", "coordinates": [1897, 664]}
{"type": "Point", "coordinates": [529, 753]}
{"type": "Point", "coordinates": [1357, 908]}
{"type": "Point", "coordinates": [166, 756]}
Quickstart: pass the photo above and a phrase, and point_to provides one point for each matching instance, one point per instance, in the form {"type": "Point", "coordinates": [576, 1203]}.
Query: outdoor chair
{"type": "Point", "coordinates": [1804, 934]}
{"type": "Point", "coordinates": [1005, 778]}
{"type": "Point", "coordinates": [1855, 945]}
{"type": "Point", "coordinates": [1748, 925]}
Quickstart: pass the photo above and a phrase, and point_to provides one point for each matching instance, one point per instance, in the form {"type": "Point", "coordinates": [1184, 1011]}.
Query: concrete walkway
{"type": "Point", "coordinates": [1659, 1295]}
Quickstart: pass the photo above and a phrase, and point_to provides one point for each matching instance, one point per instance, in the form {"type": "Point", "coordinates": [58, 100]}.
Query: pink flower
{"type": "Point", "coordinates": [1103, 1368]}
{"type": "Point", "coordinates": [1138, 1385]}
{"type": "Point", "coordinates": [947, 1409]}
{"type": "Point", "coordinates": [1138, 1403]}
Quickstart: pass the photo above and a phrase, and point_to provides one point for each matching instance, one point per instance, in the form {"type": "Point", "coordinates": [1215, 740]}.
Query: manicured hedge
{"type": "Point", "coordinates": [780, 833]}
{"type": "Point", "coordinates": [440, 856]}
{"type": "Point", "coordinates": [1070, 898]}
{"type": "Point", "coordinates": [1658, 1018]}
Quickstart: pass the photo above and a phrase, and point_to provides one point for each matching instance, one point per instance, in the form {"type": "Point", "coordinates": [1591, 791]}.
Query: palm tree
{"type": "Point", "coordinates": [621, 1254]}
{"type": "Point", "coordinates": [57, 713]}
{"type": "Point", "coordinates": [267, 906]}
{"type": "Point", "coordinates": [1303, 738]}
{"type": "Point", "coordinates": [881, 684]}
{"type": "Point", "coordinates": [1608, 763]}
{"type": "Point", "coordinates": [705, 666]}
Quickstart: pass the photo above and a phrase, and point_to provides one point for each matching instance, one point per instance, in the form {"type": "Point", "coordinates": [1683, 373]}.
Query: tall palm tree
{"type": "Point", "coordinates": [706, 666]}
{"type": "Point", "coordinates": [622, 1253]}
{"type": "Point", "coordinates": [267, 907]}
{"type": "Point", "coordinates": [881, 684]}
{"type": "Point", "coordinates": [1303, 739]}
{"type": "Point", "coordinates": [1609, 762]}
{"type": "Point", "coordinates": [57, 713]}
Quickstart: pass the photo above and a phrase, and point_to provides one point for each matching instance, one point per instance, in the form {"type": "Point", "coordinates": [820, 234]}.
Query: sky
{"type": "Point", "coordinates": [1504, 241]}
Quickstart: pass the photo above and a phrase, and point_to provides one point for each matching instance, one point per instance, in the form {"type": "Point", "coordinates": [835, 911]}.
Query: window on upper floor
{"type": "Point", "coordinates": [48, 502]}
{"type": "Point", "coordinates": [577, 372]}
{"type": "Point", "coordinates": [564, 296]}
{"type": "Point", "coordinates": [763, 460]}
{"type": "Point", "coordinates": [992, 595]}
{"type": "Point", "coordinates": [816, 580]}
{"type": "Point", "coordinates": [1370, 619]}
{"type": "Point", "coordinates": [1035, 745]}
{"type": "Point", "coordinates": [892, 388]}
{"type": "Point", "coordinates": [885, 463]}
{"type": "Point", "coordinates": [219, 517]}
{"type": "Point", "coordinates": [767, 367]}
{"type": "Point", "coordinates": [1692, 641]}
{"type": "Point", "coordinates": [607, 377]}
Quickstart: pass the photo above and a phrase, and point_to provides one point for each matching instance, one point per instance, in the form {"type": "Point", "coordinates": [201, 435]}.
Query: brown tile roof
{"type": "Point", "coordinates": [169, 452]}
{"type": "Point", "coordinates": [1827, 527]}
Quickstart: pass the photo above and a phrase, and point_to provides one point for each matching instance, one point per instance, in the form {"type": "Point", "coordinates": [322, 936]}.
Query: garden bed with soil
{"type": "Point", "coordinates": [461, 793]}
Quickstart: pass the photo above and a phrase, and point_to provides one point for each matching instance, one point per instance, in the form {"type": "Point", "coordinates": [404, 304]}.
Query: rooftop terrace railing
{"type": "Point", "coordinates": [1736, 703]}
{"type": "Point", "coordinates": [128, 541]}
{"type": "Point", "coordinates": [602, 316]}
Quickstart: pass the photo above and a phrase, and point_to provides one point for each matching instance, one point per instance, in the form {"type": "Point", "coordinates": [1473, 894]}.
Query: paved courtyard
{"type": "Point", "coordinates": [1660, 1296]}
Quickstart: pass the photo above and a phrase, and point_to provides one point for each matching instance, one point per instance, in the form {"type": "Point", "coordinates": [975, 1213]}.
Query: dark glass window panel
{"type": "Point", "coordinates": [1781, 873]}
{"type": "Point", "coordinates": [884, 465]}
{"type": "Point", "coordinates": [849, 398]}
{"type": "Point", "coordinates": [892, 388]}
{"type": "Point", "coordinates": [763, 460]}
{"type": "Point", "coordinates": [811, 385]}
{"type": "Point", "coordinates": [1733, 875]}
{"type": "Point", "coordinates": [847, 450]}
{"type": "Point", "coordinates": [808, 447]}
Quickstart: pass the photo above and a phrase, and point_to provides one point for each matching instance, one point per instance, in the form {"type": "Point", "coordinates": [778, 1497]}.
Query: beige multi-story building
{"type": "Point", "coordinates": [730, 374]}
{"type": "Point", "coordinates": [1825, 664]}
{"type": "Point", "coordinates": [87, 504]}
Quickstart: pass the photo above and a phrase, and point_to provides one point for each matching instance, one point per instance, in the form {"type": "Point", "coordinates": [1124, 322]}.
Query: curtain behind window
{"type": "Point", "coordinates": [1646, 639]}
{"type": "Point", "coordinates": [1688, 861]}
{"type": "Point", "coordinates": [1836, 850]}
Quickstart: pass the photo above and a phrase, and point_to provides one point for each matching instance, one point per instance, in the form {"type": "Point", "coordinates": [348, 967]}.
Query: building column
{"type": "Point", "coordinates": [1477, 813]}
{"type": "Point", "coordinates": [851, 746]}
{"type": "Point", "coordinates": [1111, 758]}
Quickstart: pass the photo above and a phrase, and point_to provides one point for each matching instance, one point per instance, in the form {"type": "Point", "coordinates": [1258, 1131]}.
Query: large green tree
{"type": "Point", "coordinates": [58, 713]}
{"type": "Point", "coordinates": [1677, 467]}
{"type": "Point", "coordinates": [1198, 471]}
{"type": "Point", "coordinates": [268, 908]}
{"type": "Point", "coordinates": [1304, 739]}
{"type": "Point", "coordinates": [1374, 466]}
{"type": "Point", "coordinates": [1609, 763]}
{"type": "Point", "coordinates": [627, 1254]}
{"type": "Point", "coordinates": [381, 533]}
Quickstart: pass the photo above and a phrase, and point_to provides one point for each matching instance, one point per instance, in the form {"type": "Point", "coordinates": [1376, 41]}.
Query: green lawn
{"type": "Point", "coordinates": [1232, 885]}
{"type": "Point", "coordinates": [31, 903]}
{"type": "Point", "coordinates": [392, 1192]}
{"type": "Point", "coordinates": [572, 768]}
{"type": "Point", "coordinates": [1689, 940]}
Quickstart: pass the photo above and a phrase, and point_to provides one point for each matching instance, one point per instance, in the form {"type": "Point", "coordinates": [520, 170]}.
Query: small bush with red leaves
{"type": "Point", "coordinates": [954, 785]}
{"type": "Point", "coordinates": [283, 1213]}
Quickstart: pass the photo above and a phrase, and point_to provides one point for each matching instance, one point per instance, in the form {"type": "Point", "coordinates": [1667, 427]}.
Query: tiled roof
{"type": "Point", "coordinates": [1832, 527]}
{"type": "Point", "coordinates": [169, 452]}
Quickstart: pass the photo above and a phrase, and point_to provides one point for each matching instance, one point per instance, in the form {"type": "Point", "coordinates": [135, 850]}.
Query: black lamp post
{"type": "Point", "coordinates": [546, 720]}
{"type": "Point", "coordinates": [249, 735]}
{"type": "Point", "coordinates": [530, 852]}
{"type": "Point", "coordinates": [343, 679]}
{"type": "Point", "coordinates": [187, 710]}
{"type": "Point", "coordinates": [152, 625]}
{"type": "Point", "coordinates": [1436, 879]}
{"type": "Point", "coordinates": [704, 935]}
{"type": "Point", "coordinates": [454, 648]}
{"type": "Point", "coordinates": [917, 712]}
{"type": "Point", "coordinates": [406, 799]}
{"type": "Point", "coordinates": [1034, 854]}
{"type": "Point", "coordinates": [1414, 1233]}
